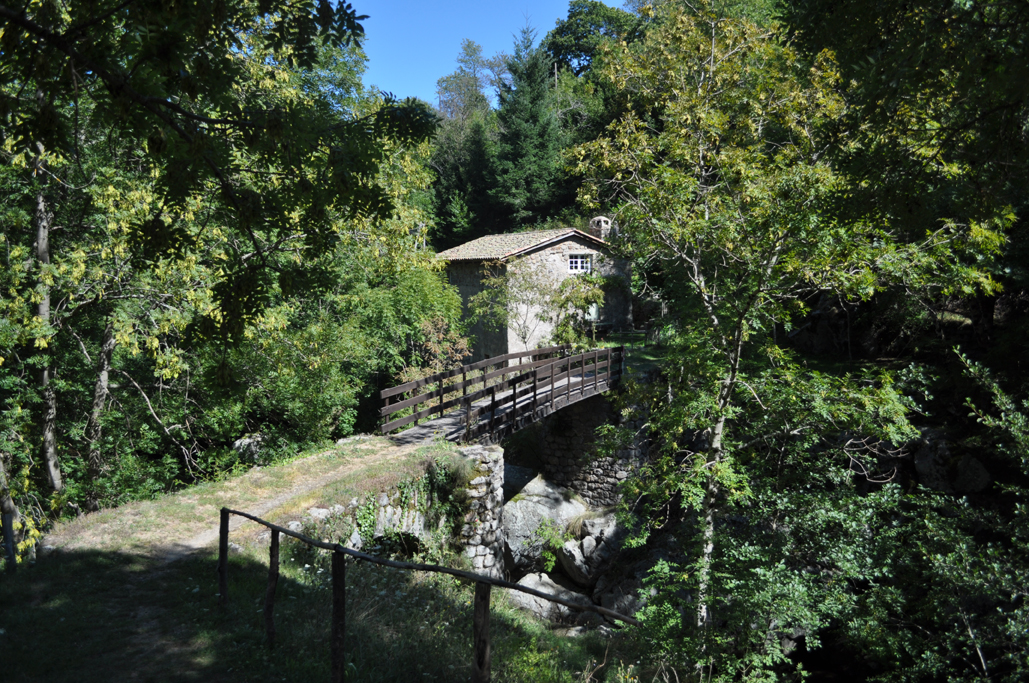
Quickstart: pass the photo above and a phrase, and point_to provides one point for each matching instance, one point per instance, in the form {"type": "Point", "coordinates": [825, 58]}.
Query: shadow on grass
{"type": "Point", "coordinates": [108, 616]}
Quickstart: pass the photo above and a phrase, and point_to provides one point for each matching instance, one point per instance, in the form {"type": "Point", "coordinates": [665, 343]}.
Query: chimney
{"type": "Point", "coordinates": [603, 227]}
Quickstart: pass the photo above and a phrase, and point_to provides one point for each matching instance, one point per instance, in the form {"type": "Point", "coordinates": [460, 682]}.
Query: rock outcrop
{"type": "Point", "coordinates": [538, 501]}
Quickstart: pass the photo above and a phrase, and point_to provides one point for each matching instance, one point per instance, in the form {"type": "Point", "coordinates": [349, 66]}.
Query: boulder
{"type": "Point", "coordinates": [319, 514]}
{"type": "Point", "coordinates": [249, 447]}
{"type": "Point", "coordinates": [545, 609]}
{"type": "Point", "coordinates": [525, 512]}
{"type": "Point", "coordinates": [939, 469]}
{"type": "Point", "coordinates": [622, 596]}
{"type": "Point", "coordinates": [574, 563]}
{"type": "Point", "coordinates": [604, 528]}
{"type": "Point", "coordinates": [931, 459]}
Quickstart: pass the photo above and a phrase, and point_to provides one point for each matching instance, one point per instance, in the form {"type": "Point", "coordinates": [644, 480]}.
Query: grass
{"type": "Point", "coordinates": [96, 616]}
{"type": "Point", "coordinates": [115, 610]}
{"type": "Point", "coordinates": [640, 357]}
{"type": "Point", "coordinates": [287, 488]}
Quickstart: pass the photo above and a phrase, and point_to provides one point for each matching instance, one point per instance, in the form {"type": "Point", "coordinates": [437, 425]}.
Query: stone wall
{"type": "Point", "coordinates": [552, 262]}
{"type": "Point", "coordinates": [467, 278]}
{"type": "Point", "coordinates": [548, 264]}
{"type": "Point", "coordinates": [567, 452]}
{"type": "Point", "coordinates": [482, 533]}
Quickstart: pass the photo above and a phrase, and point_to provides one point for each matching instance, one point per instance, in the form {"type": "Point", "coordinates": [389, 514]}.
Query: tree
{"type": "Point", "coordinates": [938, 103]}
{"type": "Point", "coordinates": [574, 42]}
{"type": "Point", "coordinates": [526, 167]}
{"type": "Point", "coordinates": [190, 84]}
{"type": "Point", "coordinates": [464, 147]}
{"type": "Point", "coordinates": [719, 173]}
{"type": "Point", "coordinates": [168, 174]}
{"type": "Point", "coordinates": [463, 94]}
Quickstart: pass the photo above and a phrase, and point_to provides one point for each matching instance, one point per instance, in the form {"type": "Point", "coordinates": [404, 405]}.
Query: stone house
{"type": "Point", "coordinates": [541, 255]}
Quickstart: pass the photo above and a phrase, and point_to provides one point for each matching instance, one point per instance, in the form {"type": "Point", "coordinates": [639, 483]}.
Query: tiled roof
{"type": "Point", "coordinates": [500, 247]}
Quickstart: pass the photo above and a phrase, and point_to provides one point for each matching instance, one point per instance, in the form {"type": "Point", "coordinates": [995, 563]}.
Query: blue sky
{"type": "Point", "coordinates": [410, 45]}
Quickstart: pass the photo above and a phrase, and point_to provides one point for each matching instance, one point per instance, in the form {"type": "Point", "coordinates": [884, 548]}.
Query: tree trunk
{"type": "Point", "coordinates": [9, 514]}
{"type": "Point", "coordinates": [711, 491]}
{"type": "Point", "coordinates": [94, 430]}
{"type": "Point", "coordinates": [44, 218]}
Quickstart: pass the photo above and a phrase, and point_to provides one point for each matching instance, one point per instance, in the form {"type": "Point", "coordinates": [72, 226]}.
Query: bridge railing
{"type": "Point", "coordinates": [552, 385]}
{"type": "Point", "coordinates": [418, 394]}
{"type": "Point", "coordinates": [552, 377]}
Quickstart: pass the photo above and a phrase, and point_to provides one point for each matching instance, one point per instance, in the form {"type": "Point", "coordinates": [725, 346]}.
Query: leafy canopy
{"type": "Point", "coordinates": [207, 91]}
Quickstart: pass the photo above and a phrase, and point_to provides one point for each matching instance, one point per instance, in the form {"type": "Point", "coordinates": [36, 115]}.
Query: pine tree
{"type": "Point", "coordinates": [526, 168]}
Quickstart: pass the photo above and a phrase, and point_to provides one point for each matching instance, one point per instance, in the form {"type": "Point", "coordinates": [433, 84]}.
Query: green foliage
{"type": "Point", "coordinates": [226, 114]}
{"type": "Point", "coordinates": [550, 537]}
{"type": "Point", "coordinates": [575, 42]}
{"type": "Point", "coordinates": [526, 299]}
{"type": "Point", "coordinates": [526, 167]}
{"type": "Point", "coordinates": [773, 471]}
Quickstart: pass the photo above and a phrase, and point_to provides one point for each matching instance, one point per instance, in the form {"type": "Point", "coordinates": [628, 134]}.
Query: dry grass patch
{"type": "Point", "coordinates": [188, 517]}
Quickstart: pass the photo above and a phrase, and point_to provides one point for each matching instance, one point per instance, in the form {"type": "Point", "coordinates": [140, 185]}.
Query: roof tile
{"type": "Point", "coordinates": [506, 245]}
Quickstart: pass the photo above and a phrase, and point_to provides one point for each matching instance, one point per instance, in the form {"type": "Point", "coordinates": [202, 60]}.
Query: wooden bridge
{"type": "Point", "coordinates": [485, 401]}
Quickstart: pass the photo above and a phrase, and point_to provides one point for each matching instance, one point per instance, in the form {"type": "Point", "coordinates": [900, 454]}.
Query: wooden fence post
{"type": "Point", "coordinates": [223, 558]}
{"type": "Point", "coordinates": [568, 384]}
{"type": "Point", "coordinates": [553, 371]}
{"type": "Point", "coordinates": [481, 665]}
{"type": "Point", "coordinates": [339, 615]}
{"type": "Point", "coordinates": [269, 596]}
{"type": "Point", "coordinates": [535, 388]}
{"type": "Point", "coordinates": [514, 402]}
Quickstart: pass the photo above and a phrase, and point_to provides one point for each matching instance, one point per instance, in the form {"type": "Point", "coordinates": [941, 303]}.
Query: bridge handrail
{"type": "Point", "coordinates": [522, 372]}
{"type": "Point", "coordinates": [447, 374]}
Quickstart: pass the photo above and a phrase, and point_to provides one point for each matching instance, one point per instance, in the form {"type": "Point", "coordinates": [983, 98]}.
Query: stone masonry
{"type": "Point", "coordinates": [482, 533]}
{"type": "Point", "coordinates": [568, 457]}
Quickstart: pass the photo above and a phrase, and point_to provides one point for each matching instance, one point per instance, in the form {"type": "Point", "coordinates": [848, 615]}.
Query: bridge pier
{"type": "Point", "coordinates": [564, 443]}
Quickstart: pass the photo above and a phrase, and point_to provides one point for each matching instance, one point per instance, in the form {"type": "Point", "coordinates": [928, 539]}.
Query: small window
{"type": "Point", "coordinates": [579, 263]}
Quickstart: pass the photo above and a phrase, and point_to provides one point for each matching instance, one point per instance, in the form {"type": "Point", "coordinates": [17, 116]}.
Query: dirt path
{"type": "Point", "coordinates": [176, 525]}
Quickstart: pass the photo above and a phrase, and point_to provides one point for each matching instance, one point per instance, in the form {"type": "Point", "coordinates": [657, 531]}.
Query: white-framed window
{"type": "Point", "coordinates": [579, 263]}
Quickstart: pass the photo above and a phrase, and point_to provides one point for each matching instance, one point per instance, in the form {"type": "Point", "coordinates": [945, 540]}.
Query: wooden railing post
{"type": "Point", "coordinates": [269, 596]}
{"type": "Point", "coordinates": [492, 408]}
{"type": "Point", "coordinates": [223, 558]}
{"type": "Point", "coordinates": [553, 372]}
{"type": "Point", "coordinates": [339, 616]}
{"type": "Point", "coordinates": [535, 389]}
{"type": "Point", "coordinates": [596, 370]}
{"type": "Point", "coordinates": [481, 665]}
{"type": "Point", "coordinates": [568, 382]}
{"type": "Point", "coordinates": [514, 400]}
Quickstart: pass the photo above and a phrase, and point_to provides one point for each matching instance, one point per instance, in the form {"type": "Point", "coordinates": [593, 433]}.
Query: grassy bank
{"type": "Point", "coordinates": [117, 609]}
